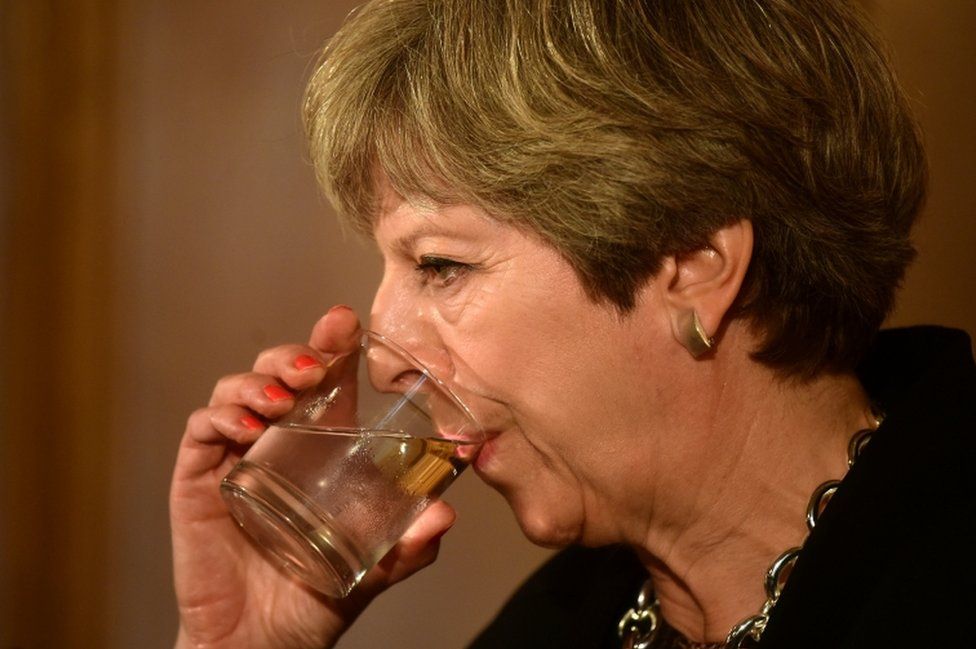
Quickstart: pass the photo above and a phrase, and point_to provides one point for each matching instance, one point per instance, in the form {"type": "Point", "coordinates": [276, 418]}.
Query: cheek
{"type": "Point", "coordinates": [493, 336]}
{"type": "Point", "coordinates": [517, 324]}
{"type": "Point", "coordinates": [545, 378]}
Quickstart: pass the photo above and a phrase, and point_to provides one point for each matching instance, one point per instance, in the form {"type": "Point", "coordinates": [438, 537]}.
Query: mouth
{"type": "Point", "coordinates": [486, 456]}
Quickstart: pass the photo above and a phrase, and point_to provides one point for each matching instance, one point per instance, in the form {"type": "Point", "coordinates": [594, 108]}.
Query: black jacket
{"type": "Point", "coordinates": [891, 561]}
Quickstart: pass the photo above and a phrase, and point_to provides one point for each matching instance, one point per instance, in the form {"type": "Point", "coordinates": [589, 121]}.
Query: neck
{"type": "Point", "coordinates": [743, 502]}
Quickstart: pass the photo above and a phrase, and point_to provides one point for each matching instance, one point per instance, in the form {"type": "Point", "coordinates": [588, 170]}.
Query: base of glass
{"type": "Point", "coordinates": [295, 533]}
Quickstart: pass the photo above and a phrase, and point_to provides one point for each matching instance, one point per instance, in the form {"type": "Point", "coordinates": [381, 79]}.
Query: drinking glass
{"type": "Point", "coordinates": [331, 486]}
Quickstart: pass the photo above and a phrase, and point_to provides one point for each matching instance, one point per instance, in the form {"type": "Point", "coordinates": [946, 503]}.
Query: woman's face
{"type": "Point", "coordinates": [561, 383]}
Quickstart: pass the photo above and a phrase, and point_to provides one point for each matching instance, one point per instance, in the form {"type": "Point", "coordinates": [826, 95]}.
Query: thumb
{"type": "Point", "coordinates": [416, 549]}
{"type": "Point", "coordinates": [337, 331]}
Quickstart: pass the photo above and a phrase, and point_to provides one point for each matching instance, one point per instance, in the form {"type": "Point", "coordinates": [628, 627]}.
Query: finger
{"type": "Point", "coordinates": [209, 437]}
{"type": "Point", "coordinates": [337, 331]}
{"type": "Point", "coordinates": [217, 424]}
{"type": "Point", "coordinates": [297, 366]}
{"type": "Point", "coordinates": [259, 392]}
{"type": "Point", "coordinates": [432, 523]}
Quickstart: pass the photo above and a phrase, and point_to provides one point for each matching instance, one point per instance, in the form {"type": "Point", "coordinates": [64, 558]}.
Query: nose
{"type": "Point", "coordinates": [405, 318]}
{"type": "Point", "coordinates": [393, 370]}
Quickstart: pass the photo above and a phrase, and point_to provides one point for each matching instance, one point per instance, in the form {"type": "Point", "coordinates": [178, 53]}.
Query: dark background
{"type": "Point", "coordinates": [161, 225]}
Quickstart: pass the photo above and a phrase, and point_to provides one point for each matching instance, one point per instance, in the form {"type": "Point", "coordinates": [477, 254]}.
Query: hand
{"type": "Point", "coordinates": [229, 594]}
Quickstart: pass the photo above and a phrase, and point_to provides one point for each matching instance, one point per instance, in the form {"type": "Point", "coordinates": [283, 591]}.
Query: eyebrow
{"type": "Point", "coordinates": [405, 243]}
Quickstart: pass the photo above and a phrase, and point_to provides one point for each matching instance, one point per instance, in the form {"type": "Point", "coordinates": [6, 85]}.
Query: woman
{"type": "Point", "coordinates": [685, 222]}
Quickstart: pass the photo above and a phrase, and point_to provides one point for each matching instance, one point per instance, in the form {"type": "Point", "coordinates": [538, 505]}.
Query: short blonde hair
{"type": "Point", "coordinates": [622, 131]}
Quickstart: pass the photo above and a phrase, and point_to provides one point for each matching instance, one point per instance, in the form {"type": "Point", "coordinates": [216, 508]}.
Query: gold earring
{"type": "Point", "coordinates": [694, 337]}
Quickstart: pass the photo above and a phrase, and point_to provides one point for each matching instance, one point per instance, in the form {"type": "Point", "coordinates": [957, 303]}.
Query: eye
{"type": "Point", "coordinates": [439, 271]}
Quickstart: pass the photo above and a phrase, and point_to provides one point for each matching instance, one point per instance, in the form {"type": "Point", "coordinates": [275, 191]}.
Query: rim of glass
{"type": "Point", "coordinates": [392, 344]}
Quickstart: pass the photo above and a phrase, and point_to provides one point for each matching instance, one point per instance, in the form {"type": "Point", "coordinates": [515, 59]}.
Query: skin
{"type": "Point", "coordinates": [602, 427]}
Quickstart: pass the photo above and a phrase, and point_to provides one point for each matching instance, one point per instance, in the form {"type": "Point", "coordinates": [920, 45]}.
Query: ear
{"type": "Point", "coordinates": [705, 283]}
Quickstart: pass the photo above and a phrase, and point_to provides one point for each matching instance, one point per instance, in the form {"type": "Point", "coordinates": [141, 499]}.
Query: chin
{"type": "Point", "coordinates": [548, 522]}
{"type": "Point", "coordinates": [547, 508]}
{"type": "Point", "coordinates": [544, 532]}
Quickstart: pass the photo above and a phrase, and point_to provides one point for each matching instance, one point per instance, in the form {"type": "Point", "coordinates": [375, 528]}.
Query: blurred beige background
{"type": "Point", "coordinates": [161, 225]}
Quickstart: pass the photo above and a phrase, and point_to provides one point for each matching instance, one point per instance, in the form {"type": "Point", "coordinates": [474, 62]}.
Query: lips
{"type": "Point", "coordinates": [486, 455]}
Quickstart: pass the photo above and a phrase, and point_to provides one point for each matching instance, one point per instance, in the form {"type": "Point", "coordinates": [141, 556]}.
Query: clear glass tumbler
{"type": "Point", "coordinates": [330, 487]}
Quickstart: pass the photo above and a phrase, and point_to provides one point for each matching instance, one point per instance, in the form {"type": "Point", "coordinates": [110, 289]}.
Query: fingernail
{"type": "Point", "coordinates": [339, 307]}
{"type": "Point", "coordinates": [252, 422]}
{"type": "Point", "coordinates": [276, 392]}
{"type": "Point", "coordinates": [305, 362]}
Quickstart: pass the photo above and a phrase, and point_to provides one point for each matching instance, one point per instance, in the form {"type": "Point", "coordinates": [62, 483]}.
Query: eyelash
{"type": "Point", "coordinates": [439, 271]}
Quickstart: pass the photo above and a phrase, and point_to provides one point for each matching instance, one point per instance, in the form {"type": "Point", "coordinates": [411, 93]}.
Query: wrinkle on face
{"type": "Point", "coordinates": [546, 369]}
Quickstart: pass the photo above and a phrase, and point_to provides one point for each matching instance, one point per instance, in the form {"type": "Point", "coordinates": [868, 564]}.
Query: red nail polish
{"type": "Point", "coordinates": [305, 362]}
{"type": "Point", "coordinates": [276, 392]}
{"type": "Point", "coordinates": [251, 422]}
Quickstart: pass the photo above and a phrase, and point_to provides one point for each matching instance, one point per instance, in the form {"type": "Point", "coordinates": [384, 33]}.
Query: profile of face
{"type": "Point", "coordinates": [562, 383]}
